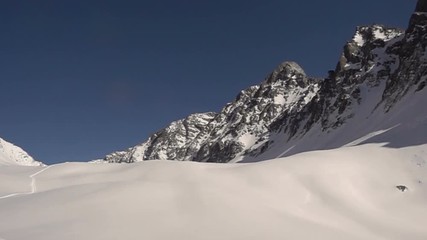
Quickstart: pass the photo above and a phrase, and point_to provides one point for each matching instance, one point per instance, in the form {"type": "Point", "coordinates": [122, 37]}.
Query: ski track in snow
{"type": "Point", "coordinates": [368, 136]}
{"type": "Point", "coordinates": [283, 153]}
{"type": "Point", "coordinates": [33, 186]}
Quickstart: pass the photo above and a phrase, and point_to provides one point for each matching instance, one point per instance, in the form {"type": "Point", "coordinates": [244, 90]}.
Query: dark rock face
{"type": "Point", "coordinates": [220, 137]}
{"type": "Point", "coordinates": [412, 57]}
{"type": "Point", "coordinates": [288, 104]}
{"type": "Point", "coordinates": [245, 122]}
{"type": "Point", "coordinates": [418, 20]}
{"type": "Point", "coordinates": [179, 141]}
{"type": "Point", "coordinates": [402, 188]}
{"type": "Point", "coordinates": [421, 6]}
{"type": "Point", "coordinates": [364, 64]}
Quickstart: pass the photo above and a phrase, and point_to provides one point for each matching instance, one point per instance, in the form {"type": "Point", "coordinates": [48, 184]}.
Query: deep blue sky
{"type": "Point", "coordinates": [80, 78]}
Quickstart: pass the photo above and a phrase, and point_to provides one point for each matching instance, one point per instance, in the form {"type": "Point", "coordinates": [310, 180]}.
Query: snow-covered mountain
{"type": "Point", "coordinates": [14, 155]}
{"type": "Point", "coordinates": [379, 71]}
{"type": "Point", "coordinates": [370, 184]}
{"type": "Point", "coordinates": [217, 137]}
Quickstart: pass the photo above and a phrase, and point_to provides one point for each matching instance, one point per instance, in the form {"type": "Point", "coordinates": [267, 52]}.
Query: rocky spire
{"type": "Point", "coordinates": [421, 6]}
{"type": "Point", "coordinates": [418, 20]}
{"type": "Point", "coordinates": [288, 68]}
{"type": "Point", "coordinates": [288, 71]}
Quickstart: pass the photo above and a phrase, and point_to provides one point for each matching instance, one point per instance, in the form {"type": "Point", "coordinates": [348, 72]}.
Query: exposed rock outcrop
{"type": "Point", "coordinates": [378, 67]}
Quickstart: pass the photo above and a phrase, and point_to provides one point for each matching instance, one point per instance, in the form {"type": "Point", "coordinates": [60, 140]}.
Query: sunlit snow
{"type": "Point", "coordinates": [348, 193]}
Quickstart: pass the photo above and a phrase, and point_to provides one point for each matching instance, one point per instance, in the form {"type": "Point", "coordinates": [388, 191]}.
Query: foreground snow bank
{"type": "Point", "coordinates": [348, 193]}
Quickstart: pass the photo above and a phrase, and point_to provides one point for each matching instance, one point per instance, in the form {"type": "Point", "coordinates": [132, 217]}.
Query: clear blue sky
{"type": "Point", "coordinates": [81, 78]}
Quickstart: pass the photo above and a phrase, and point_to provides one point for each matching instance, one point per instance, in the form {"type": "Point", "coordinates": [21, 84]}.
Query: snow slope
{"type": "Point", "coordinates": [347, 193]}
{"type": "Point", "coordinates": [402, 126]}
{"type": "Point", "coordinates": [14, 155]}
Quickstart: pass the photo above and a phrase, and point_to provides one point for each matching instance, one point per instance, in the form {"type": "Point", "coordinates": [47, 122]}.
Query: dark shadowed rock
{"type": "Point", "coordinates": [419, 18]}
{"type": "Point", "coordinates": [421, 6]}
{"type": "Point", "coordinates": [402, 188]}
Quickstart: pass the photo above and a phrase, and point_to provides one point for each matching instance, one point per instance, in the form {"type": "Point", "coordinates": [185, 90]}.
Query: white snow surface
{"type": "Point", "coordinates": [378, 33]}
{"type": "Point", "coordinates": [14, 155]}
{"type": "Point", "coordinates": [348, 193]}
{"type": "Point", "coordinates": [358, 39]}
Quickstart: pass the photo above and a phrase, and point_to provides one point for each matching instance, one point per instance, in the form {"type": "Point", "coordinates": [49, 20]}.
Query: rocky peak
{"type": "Point", "coordinates": [239, 126]}
{"type": "Point", "coordinates": [411, 50]}
{"type": "Point", "coordinates": [288, 105]}
{"type": "Point", "coordinates": [290, 72]}
{"type": "Point", "coordinates": [287, 70]}
{"type": "Point", "coordinates": [418, 19]}
{"type": "Point", "coordinates": [359, 50]}
{"type": "Point", "coordinates": [178, 141]}
{"type": "Point", "coordinates": [421, 6]}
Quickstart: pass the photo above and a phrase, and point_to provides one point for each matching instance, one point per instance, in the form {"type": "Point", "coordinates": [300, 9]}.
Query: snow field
{"type": "Point", "coordinates": [347, 193]}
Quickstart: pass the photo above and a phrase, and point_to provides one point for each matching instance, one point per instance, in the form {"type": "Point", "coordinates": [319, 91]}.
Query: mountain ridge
{"type": "Point", "coordinates": [375, 71]}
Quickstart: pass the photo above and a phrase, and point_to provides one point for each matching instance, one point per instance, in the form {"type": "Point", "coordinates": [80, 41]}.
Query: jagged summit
{"type": "Point", "coordinates": [288, 69]}
{"type": "Point", "coordinates": [289, 75]}
{"type": "Point", "coordinates": [418, 21]}
{"type": "Point", "coordinates": [220, 137]}
{"type": "Point", "coordinates": [358, 52]}
{"type": "Point", "coordinates": [371, 33]}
